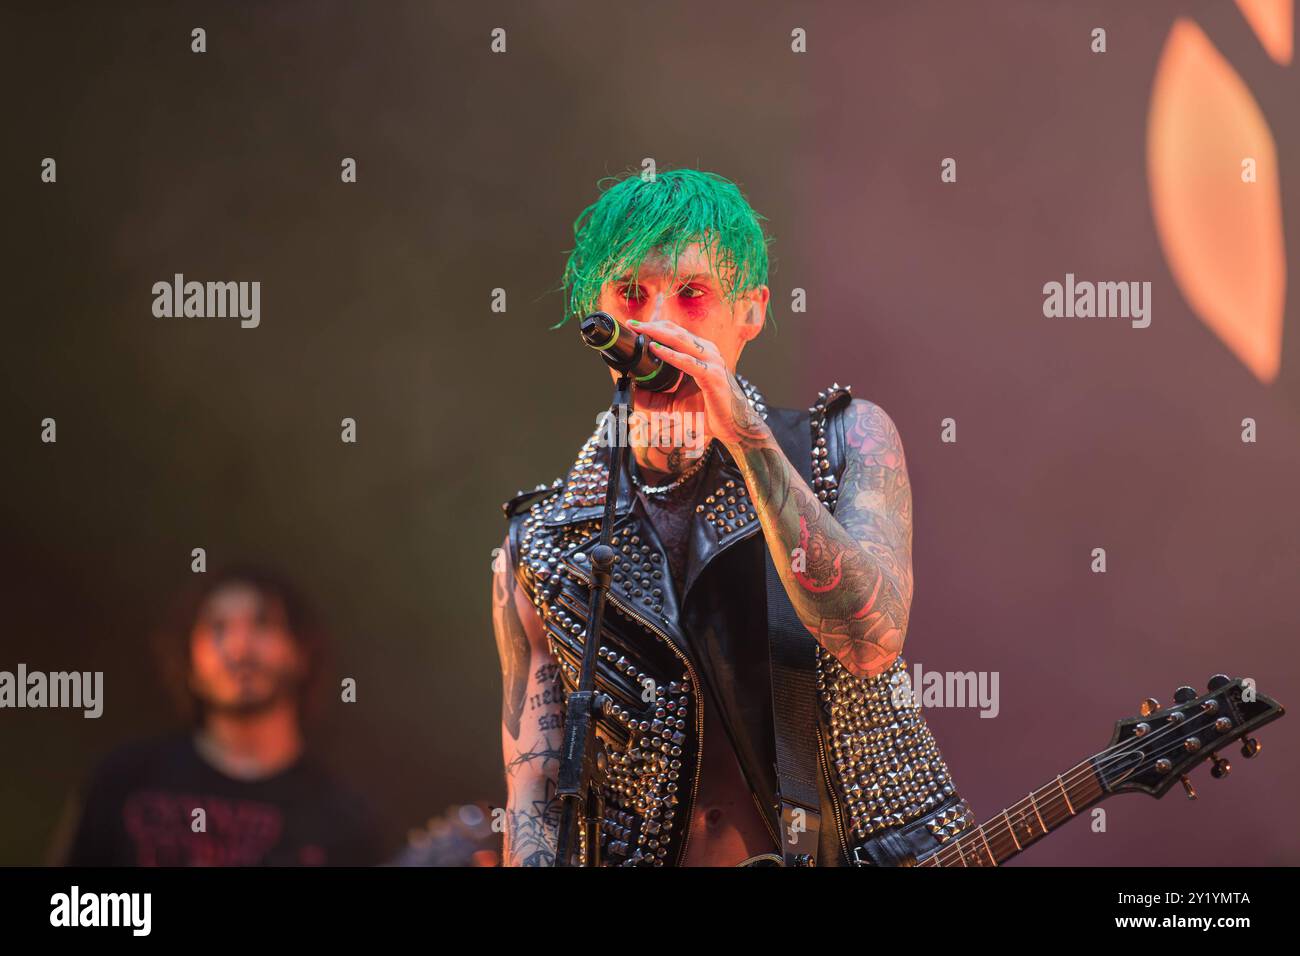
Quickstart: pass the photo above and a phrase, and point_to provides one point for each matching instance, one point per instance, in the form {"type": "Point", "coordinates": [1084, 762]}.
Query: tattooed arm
{"type": "Point", "coordinates": [851, 578]}
{"type": "Point", "coordinates": [531, 722]}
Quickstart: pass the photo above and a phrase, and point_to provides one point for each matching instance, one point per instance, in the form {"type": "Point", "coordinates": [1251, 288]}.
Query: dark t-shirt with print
{"type": "Point", "coordinates": [139, 810]}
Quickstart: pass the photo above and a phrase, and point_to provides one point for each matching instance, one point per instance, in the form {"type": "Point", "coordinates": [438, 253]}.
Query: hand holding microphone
{"type": "Point", "coordinates": [730, 416]}
{"type": "Point", "coordinates": [626, 351]}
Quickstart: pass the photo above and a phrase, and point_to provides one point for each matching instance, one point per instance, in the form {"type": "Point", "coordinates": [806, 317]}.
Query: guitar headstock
{"type": "Point", "coordinates": [1151, 752]}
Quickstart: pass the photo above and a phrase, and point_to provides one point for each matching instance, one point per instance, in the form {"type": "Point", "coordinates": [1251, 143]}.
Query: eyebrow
{"type": "Point", "coordinates": [692, 277]}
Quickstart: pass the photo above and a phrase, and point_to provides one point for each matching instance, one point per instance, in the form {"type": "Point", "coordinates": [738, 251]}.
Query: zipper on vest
{"type": "Point", "coordinates": [749, 785]}
{"type": "Point", "coordinates": [697, 693]}
{"type": "Point", "coordinates": [834, 797]}
{"type": "Point", "coordinates": [699, 770]}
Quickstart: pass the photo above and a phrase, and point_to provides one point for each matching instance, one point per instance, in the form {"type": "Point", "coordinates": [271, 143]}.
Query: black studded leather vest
{"type": "Point", "coordinates": [886, 795]}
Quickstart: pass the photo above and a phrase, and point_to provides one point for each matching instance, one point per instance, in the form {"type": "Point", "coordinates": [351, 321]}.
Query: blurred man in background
{"type": "Point", "coordinates": [243, 656]}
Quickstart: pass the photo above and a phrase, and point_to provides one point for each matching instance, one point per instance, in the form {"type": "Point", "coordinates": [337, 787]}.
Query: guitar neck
{"type": "Point", "coordinates": [1025, 822]}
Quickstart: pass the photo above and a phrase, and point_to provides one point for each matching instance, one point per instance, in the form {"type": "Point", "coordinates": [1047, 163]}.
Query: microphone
{"type": "Point", "coordinates": [626, 351]}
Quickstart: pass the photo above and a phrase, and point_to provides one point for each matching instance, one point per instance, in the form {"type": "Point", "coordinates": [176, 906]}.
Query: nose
{"type": "Point", "coordinates": [235, 642]}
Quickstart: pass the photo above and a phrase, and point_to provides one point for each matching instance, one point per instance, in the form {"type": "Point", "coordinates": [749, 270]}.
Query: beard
{"type": "Point", "coordinates": [250, 700]}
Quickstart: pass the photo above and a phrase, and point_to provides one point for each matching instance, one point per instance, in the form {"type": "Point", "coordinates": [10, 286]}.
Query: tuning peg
{"type": "Point", "coordinates": [1149, 706]}
{"type": "Point", "coordinates": [1187, 785]}
{"type": "Point", "coordinates": [1217, 681]}
{"type": "Point", "coordinates": [1185, 693]}
{"type": "Point", "coordinates": [1250, 747]}
{"type": "Point", "coordinates": [1221, 767]}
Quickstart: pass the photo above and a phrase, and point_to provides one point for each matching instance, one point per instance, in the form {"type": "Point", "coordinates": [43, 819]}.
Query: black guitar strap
{"type": "Point", "coordinates": [793, 661]}
{"type": "Point", "coordinates": [792, 655]}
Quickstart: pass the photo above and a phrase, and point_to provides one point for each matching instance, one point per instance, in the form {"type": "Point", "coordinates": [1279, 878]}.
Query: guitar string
{"type": "Point", "coordinates": [1076, 773]}
{"type": "Point", "coordinates": [1079, 771]}
{"type": "Point", "coordinates": [1073, 775]}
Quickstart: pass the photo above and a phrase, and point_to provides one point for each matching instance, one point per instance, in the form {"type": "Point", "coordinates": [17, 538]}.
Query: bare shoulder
{"type": "Point", "coordinates": [514, 617]}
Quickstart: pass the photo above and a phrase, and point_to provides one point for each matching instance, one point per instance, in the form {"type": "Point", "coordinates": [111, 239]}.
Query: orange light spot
{"type": "Point", "coordinates": [1271, 21]}
{"type": "Point", "coordinates": [1221, 236]}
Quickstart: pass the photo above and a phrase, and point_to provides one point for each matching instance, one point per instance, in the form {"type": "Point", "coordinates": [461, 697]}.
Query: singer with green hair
{"type": "Point", "coordinates": [756, 536]}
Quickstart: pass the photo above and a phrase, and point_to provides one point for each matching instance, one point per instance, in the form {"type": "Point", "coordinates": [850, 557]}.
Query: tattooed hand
{"type": "Point", "coordinates": [728, 415]}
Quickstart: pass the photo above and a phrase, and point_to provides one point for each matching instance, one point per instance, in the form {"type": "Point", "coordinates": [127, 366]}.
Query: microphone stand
{"type": "Point", "coordinates": [583, 767]}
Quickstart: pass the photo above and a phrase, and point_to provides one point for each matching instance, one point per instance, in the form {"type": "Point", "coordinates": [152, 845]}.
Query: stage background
{"type": "Point", "coordinates": [925, 296]}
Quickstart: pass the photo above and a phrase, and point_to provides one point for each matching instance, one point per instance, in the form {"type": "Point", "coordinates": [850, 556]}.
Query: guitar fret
{"type": "Point", "coordinates": [1026, 821]}
{"type": "Point", "coordinates": [1056, 811]}
{"type": "Point", "coordinates": [1034, 804]}
{"type": "Point", "coordinates": [992, 858]}
{"type": "Point", "coordinates": [1064, 794]}
{"type": "Point", "coordinates": [1127, 763]}
{"type": "Point", "coordinates": [995, 838]}
{"type": "Point", "coordinates": [1048, 807]}
{"type": "Point", "coordinates": [1011, 830]}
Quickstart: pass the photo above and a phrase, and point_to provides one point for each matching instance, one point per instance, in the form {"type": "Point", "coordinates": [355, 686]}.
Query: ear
{"type": "Point", "coordinates": [752, 315]}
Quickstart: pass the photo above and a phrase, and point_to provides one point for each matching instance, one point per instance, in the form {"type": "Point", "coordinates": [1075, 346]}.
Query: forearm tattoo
{"type": "Point", "coordinates": [849, 576]}
{"type": "Point", "coordinates": [532, 710]}
{"type": "Point", "coordinates": [533, 810]}
{"type": "Point", "coordinates": [746, 422]}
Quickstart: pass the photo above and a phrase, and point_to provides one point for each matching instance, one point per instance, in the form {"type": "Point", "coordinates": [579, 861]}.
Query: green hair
{"type": "Point", "coordinates": [635, 217]}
